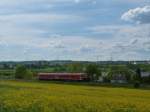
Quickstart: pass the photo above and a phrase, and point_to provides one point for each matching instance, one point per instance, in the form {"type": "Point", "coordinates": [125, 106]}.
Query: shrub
{"type": "Point", "coordinates": [21, 72]}
{"type": "Point", "coordinates": [106, 79]}
{"type": "Point", "coordinates": [136, 84]}
{"type": "Point", "coordinates": [29, 75]}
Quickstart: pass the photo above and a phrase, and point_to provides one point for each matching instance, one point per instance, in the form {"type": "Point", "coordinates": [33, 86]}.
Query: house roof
{"type": "Point", "coordinates": [145, 74]}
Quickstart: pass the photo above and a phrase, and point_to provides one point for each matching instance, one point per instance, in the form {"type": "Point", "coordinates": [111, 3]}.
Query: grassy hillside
{"type": "Point", "coordinates": [17, 96]}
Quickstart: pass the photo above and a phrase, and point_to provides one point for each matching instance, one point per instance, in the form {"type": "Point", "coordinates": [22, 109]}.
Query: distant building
{"type": "Point", "coordinates": [145, 74]}
{"type": "Point", "coordinates": [118, 78]}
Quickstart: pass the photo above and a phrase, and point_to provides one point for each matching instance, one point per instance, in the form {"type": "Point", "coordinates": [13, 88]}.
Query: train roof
{"type": "Point", "coordinates": [61, 73]}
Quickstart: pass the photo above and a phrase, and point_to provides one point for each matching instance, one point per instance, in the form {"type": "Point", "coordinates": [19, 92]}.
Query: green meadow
{"type": "Point", "coordinates": [20, 96]}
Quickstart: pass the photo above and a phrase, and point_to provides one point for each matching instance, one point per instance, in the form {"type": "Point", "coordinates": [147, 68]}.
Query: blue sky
{"type": "Point", "coordinates": [74, 30]}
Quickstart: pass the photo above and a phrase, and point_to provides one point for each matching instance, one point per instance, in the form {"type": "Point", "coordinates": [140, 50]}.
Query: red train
{"type": "Point", "coordinates": [63, 76]}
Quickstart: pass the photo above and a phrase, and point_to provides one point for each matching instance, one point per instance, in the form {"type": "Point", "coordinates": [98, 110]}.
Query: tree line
{"type": "Point", "coordinates": [132, 73]}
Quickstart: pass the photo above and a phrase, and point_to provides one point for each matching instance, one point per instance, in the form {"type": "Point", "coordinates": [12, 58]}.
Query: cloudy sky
{"type": "Point", "coordinates": [74, 30]}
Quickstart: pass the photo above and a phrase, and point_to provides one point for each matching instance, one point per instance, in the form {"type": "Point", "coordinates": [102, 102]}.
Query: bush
{"type": "Point", "coordinates": [29, 75]}
{"type": "Point", "coordinates": [106, 80]}
{"type": "Point", "coordinates": [21, 72]}
{"type": "Point", "coordinates": [136, 84]}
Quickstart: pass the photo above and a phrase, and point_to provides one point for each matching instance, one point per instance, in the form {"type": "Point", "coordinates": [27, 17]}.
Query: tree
{"type": "Point", "coordinates": [138, 75]}
{"type": "Point", "coordinates": [75, 67]}
{"type": "Point", "coordinates": [21, 72]}
{"type": "Point", "coordinates": [28, 75]}
{"type": "Point", "coordinates": [93, 72]}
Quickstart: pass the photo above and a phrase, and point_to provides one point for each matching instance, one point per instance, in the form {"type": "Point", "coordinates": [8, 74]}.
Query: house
{"type": "Point", "coordinates": [145, 77]}
{"type": "Point", "coordinates": [145, 74]}
{"type": "Point", "coordinates": [118, 78]}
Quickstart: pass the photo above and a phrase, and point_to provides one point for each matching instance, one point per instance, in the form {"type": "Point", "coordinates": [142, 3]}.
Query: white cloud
{"type": "Point", "coordinates": [35, 17]}
{"type": "Point", "coordinates": [138, 15]}
{"type": "Point", "coordinates": [86, 1]}
{"type": "Point", "coordinates": [77, 1]}
{"type": "Point", "coordinates": [107, 28]}
{"type": "Point", "coordinates": [124, 45]}
{"type": "Point", "coordinates": [127, 41]}
{"type": "Point", "coordinates": [31, 28]}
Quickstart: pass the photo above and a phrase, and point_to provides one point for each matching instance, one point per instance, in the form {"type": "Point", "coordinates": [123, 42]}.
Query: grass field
{"type": "Point", "coordinates": [17, 96]}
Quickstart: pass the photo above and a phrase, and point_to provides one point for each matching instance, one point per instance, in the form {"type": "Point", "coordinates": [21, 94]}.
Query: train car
{"type": "Point", "coordinates": [63, 76]}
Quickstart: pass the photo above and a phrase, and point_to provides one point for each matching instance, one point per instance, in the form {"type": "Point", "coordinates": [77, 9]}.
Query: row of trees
{"type": "Point", "coordinates": [130, 75]}
{"type": "Point", "coordinates": [93, 71]}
